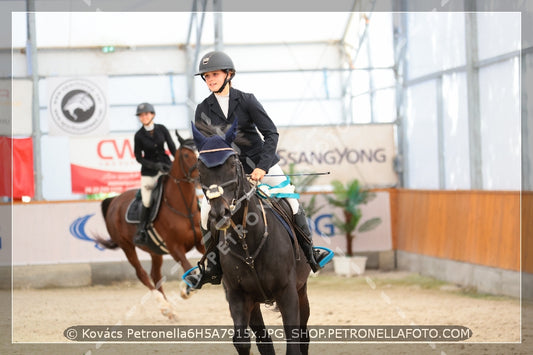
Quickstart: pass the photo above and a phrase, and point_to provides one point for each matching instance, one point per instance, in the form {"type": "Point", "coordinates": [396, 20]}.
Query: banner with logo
{"type": "Point", "coordinates": [364, 152]}
{"type": "Point", "coordinates": [78, 106]}
{"type": "Point", "coordinates": [102, 165]}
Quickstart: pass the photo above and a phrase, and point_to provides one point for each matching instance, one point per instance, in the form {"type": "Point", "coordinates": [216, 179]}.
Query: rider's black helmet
{"type": "Point", "coordinates": [145, 107]}
{"type": "Point", "coordinates": [215, 60]}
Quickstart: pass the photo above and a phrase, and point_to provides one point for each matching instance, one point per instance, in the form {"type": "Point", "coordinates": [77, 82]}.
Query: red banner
{"type": "Point", "coordinates": [103, 165]}
{"type": "Point", "coordinates": [20, 152]}
{"type": "Point", "coordinates": [91, 181]}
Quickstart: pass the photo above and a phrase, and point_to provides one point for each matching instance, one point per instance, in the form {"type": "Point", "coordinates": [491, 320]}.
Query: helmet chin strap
{"type": "Point", "coordinates": [149, 123]}
{"type": "Point", "coordinates": [226, 81]}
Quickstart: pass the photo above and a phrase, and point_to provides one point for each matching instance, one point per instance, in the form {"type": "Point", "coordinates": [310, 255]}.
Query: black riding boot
{"type": "Point", "coordinates": [314, 256]}
{"type": "Point", "coordinates": [212, 273]}
{"type": "Point", "coordinates": [141, 238]}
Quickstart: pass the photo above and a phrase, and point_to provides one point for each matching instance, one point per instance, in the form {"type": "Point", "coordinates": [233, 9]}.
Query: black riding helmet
{"type": "Point", "coordinates": [217, 60]}
{"type": "Point", "coordinates": [144, 107]}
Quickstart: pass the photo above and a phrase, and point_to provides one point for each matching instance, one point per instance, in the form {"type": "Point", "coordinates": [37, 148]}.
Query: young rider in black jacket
{"type": "Point", "coordinates": [149, 149]}
{"type": "Point", "coordinates": [222, 107]}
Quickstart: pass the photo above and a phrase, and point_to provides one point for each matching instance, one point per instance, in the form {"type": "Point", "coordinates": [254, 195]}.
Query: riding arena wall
{"type": "Point", "coordinates": [471, 238]}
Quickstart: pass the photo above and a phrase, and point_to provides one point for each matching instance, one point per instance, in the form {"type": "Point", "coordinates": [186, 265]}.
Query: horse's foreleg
{"type": "Point", "coordinates": [304, 317]}
{"type": "Point", "coordinates": [240, 313]}
{"type": "Point", "coordinates": [263, 339]}
{"type": "Point", "coordinates": [290, 313]}
{"type": "Point", "coordinates": [179, 255]}
{"type": "Point", "coordinates": [131, 254]}
{"type": "Point", "coordinates": [161, 298]}
{"type": "Point", "coordinates": [157, 262]}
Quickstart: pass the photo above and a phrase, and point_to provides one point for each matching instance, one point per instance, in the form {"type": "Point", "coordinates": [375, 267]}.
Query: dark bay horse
{"type": "Point", "coordinates": [258, 260]}
{"type": "Point", "coordinates": [178, 222]}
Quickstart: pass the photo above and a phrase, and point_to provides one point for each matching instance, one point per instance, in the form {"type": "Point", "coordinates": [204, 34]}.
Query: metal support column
{"type": "Point", "coordinates": [527, 126]}
{"type": "Point", "coordinates": [217, 16]}
{"type": "Point", "coordinates": [440, 134]}
{"type": "Point", "coordinates": [400, 72]}
{"type": "Point", "coordinates": [474, 119]}
{"type": "Point", "coordinates": [31, 55]}
{"type": "Point", "coordinates": [192, 54]}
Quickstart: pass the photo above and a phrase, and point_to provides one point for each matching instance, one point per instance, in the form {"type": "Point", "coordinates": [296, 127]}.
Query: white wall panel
{"type": "Point", "coordinates": [455, 127]}
{"type": "Point", "coordinates": [436, 42]}
{"type": "Point", "coordinates": [498, 39]}
{"type": "Point", "coordinates": [500, 126]}
{"type": "Point", "coordinates": [421, 137]}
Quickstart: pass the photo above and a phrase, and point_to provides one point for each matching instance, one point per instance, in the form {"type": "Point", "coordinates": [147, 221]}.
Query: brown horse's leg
{"type": "Point", "coordinates": [131, 254]}
{"type": "Point", "coordinates": [304, 317]}
{"type": "Point", "coordinates": [178, 253]}
{"type": "Point", "coordinates": [165, 307]}
{"type": "Point", "coordinates": [157, 262]}
{"type": "Point", "coordinates": [263, 339]}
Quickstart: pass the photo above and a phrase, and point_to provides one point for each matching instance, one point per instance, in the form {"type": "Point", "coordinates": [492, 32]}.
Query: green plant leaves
{"type": "Point", "coordinates": [369, 225]}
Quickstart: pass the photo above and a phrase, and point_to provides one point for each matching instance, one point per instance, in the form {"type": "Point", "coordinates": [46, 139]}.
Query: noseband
{"type": "Point", "coordinates": [215, 191]}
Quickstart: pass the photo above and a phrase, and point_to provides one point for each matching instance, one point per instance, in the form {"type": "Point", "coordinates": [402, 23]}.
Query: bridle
{"type": "Point", "coordinates": [187, 178]}
{"type": "Point", "coordinates": [186, 173]}
{"type": "Point", "coordinates": [216, 191]}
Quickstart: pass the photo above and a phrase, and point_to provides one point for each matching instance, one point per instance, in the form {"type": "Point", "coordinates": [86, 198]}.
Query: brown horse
{"type": "Point", "coordinates": [177, 223]}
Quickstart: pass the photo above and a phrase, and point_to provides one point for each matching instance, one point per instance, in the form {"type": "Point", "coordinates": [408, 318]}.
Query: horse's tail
{"type": "Point", "coordinates": [106, 243]}
{"type": "Point", "coordinates": [105, 205]}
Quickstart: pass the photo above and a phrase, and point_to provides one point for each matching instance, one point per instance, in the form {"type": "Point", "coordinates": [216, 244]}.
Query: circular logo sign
{"type": "Point", "coordinates": [78, 106]}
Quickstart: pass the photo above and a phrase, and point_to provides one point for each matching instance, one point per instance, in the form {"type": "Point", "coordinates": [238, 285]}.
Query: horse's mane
{"type": "Point", "coordinates": [212, 130]}
{"type": "Point", "coordinates": [188, 142]}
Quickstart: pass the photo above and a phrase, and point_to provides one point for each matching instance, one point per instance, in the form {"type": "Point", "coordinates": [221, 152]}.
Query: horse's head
{"type": "Point", "coordinates": [221, 174]}
{"type": "Point", "coordinates": [185, 160]}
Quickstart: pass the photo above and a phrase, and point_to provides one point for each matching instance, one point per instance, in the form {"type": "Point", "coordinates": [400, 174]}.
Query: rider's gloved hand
{"type": "Point", "coordinates": [164, 168]}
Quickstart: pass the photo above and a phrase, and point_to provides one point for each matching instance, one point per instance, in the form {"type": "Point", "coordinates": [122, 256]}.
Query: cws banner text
{"type": "Point", "coordinates": [365, 152]}
{"type": "Point", "coordinates": [77, 106]}
{"type": "Point", "coordinates": [99, 165]}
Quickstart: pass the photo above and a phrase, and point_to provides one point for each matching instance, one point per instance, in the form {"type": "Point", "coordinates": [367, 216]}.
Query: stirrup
{"type": "Point", "coordinates": [187, 273]}
{"type": "Point", "coordinates": [327, 258]}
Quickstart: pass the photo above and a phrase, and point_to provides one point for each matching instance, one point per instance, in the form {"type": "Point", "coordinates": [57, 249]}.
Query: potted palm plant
{"type": "Point", "coordinates": [349, 197]}
{"type": "Point", "coordinates": [303, 182]}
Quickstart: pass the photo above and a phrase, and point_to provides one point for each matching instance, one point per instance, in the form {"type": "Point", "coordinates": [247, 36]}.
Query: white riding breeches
{"type": "Point", "coordinates": [147, 185]}
{"type": "Point", "coordinates": [269, 180]}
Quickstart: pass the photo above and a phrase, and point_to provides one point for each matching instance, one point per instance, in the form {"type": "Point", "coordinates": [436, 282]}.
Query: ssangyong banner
{"type": "Point", "coordinates": [364, 152]}
{"type": "Point", "coordinates": [100, 165]}
{"type": "Point", "coordinates": [77, 106]}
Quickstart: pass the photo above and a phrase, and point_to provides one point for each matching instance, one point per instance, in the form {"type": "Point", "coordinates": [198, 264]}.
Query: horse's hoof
{"type": "Point", "coordinates": [169, 314]}
{"type": "Point", "coordinates": [186, 291]}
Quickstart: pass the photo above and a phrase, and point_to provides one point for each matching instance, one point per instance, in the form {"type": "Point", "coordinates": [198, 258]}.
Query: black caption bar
{"type": "Point", "coordinates": [201, 333]}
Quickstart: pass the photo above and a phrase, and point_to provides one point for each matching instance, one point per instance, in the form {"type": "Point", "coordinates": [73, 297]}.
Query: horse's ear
{"type": "Point", "coordinates": [199, 138]}
{"type": "Point", "coordinates": [232, 132]}
{"type": "Point", "coordinates": [180, 139]}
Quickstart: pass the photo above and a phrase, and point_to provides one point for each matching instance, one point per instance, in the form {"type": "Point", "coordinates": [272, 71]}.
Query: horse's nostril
{"type": "Point", "coordinates": [223, 222]}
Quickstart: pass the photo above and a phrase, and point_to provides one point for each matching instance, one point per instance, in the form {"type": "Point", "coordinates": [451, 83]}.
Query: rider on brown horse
{"type": "Point", "coordinates": [149, 148]}
{"type": "Point", "coordinates": [258, 156]}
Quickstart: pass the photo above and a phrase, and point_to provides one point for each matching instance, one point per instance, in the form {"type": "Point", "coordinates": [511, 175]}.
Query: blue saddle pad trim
{"type": "Point", "coordinates": [282, 184]}
{"type": "Point", "coordinates": [284, 223]}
